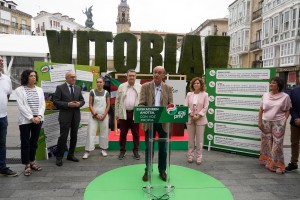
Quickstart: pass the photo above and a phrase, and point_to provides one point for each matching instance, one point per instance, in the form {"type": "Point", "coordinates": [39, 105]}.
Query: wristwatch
{"type": "Point", "coordinates": [39, 116]}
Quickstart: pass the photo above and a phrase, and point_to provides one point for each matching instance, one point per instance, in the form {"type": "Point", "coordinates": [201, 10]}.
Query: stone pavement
{"type": "Point", "coordinates": [245, 178]}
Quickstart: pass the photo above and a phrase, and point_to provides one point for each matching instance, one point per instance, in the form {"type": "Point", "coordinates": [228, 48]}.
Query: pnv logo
{"type": "Point", "coordinates": [171, 109]}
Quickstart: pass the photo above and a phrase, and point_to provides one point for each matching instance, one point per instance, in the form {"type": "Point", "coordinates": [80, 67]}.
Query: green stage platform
{"type": "Point", "coordinates": [126, 183]}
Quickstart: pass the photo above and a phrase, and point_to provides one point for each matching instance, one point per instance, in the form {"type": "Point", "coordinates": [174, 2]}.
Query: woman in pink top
{"type": "Point", "coordinates": [273, 114]}
{"type": "Point", "coordinates": [197, 101]}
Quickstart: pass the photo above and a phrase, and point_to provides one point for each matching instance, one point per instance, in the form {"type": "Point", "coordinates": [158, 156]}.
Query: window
{"type": "Point", "coordinates": [258, 34]}
{"type": "Point", "coordinates": [294, 18]}
{"type": "Point", "coordinates": [24, 24]}
{"type": "Point", "coordinates": [224, 33]}
{"type": "Point", "coordinates": [3, 29]}
{"type": "Point", "coordinates": [276, 25]}
{"type": "Point", "coordinates": [14, 22]}
{"type": "Point", "coordinates": [266, 28]}
{"type": "Point", "coordinates": [287, 49]}
{"type": "Point", "coordinates": [286, 21]}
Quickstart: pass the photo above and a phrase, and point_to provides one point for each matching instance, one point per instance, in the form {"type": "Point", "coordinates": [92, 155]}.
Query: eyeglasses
{"type": "Point", "coordinates": [158, 72]}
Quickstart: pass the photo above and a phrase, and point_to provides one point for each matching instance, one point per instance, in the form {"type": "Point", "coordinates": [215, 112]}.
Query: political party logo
{"type": "Point", "coordinates": [45, 69]}
{"type": "Point", "coordinates": [171, 109]}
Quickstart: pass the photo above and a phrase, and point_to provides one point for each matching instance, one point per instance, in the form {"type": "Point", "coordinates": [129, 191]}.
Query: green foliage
{"type": "Point", "coordinates": [101, 38]}
{"type": "Point", "coordinates": [170, 53]}
{"type": "Point", "coordinates": [147, 52]}
{"type": "Point", "coordinates": [131, 58]}
{"type": "Point", "coordinates": [216, 51]}
{"type": "Point", "coordinates": [83, 48]}
{"type": "Point", "coordinates": [191, 63]}
{"type": "Point", "coordinates": [60, 46]}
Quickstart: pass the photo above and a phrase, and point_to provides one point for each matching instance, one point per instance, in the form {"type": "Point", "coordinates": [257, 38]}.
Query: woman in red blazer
{"type": "Point", "coordinates": [197, 101]}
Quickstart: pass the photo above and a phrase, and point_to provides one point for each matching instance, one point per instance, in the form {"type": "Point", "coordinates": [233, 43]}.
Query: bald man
{"type": "Point", "coordinates": [68, 99]}
{"type": "Point", "coordinates": [156, 93]}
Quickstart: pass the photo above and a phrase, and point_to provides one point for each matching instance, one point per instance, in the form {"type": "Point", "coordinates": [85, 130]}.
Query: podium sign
{"type": "Point", "coordinates": [160, 114]}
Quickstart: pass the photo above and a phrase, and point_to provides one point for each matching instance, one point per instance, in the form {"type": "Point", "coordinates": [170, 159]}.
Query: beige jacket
{"type": "Point", "coordinates": [120, 109]}
{"type": "Point", "coordinates": [147, 98]}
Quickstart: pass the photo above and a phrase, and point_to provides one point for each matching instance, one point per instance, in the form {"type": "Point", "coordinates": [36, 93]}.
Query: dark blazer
{"type": "Point", "coordinates": [61, 99]}
{"type": "Point", "coordinates": [295, 111]}
{"type": "Point", "coordinates": [147, 98]}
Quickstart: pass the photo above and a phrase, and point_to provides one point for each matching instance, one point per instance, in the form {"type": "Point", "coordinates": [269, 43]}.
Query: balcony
{"type": "Point", "coordinates": [14, 25]}
{"type": "Point", "coordinates": [25, 27]}
{"type": "Point", "coordinates": [4, 22]}
{"type": "Point", "coordinates": [255, 45]}
{"type": "Point", "coordinates": [256, 14]}
{"type": "Point", "coordinates": [257, 64]}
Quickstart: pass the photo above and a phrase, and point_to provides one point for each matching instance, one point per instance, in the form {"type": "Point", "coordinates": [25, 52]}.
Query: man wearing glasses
{"type": "Point", "coordinates": [68, 99]}
{"type": "Point", "coordinates": [156, 93]}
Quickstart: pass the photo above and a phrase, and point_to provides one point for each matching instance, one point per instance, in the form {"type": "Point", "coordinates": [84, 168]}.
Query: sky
{"type": "Point", "coordinates": [145, 15]}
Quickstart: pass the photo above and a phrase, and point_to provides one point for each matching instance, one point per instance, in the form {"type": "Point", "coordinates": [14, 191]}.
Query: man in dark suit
{"type": "Point", "coordinates": [156, 93]}
{"type": "Point", "coordinates": [295, 129]}
{"type": "Point", "coordinates": [68, 99]}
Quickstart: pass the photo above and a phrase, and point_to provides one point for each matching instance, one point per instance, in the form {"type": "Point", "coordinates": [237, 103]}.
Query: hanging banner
{"type": "Point", "coordinates": [50, 75]}
{"type": "Point", "coordinates": [234, 100]}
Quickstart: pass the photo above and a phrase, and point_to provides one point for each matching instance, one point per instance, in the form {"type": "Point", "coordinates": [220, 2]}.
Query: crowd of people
{"type": "Point", "coordinates": [275, 108]}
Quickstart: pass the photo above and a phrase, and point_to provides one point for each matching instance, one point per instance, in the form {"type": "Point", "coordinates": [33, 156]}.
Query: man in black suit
{"type": "Point", "coordinates": [68, 99]}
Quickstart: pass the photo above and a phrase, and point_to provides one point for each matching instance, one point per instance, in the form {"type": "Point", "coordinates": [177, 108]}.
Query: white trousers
{"type": "Point", "coordinates": [91, 134]}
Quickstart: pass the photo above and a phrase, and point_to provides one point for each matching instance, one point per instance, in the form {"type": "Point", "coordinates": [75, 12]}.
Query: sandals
{"type": "Point", "coordinates": [35, 167]}
{"type": "Point", "coordinates": [27, 171]}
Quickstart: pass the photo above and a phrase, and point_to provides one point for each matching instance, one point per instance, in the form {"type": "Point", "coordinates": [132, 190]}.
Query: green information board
{"type": "Point", "coordinates": [160, 114]}
{"type": "Point", "coordinates": [234, 101]}
{"type": "Point", "coordinates": [49, 76]}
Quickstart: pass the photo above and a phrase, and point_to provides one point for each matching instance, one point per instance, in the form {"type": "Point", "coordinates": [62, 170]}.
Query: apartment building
{"type": "Point", "coordinates": [210, 27]}
{"type": "Point", "coordinates": [12, 20]}
{"type": "Point", "coordinates": [239, 24]}
{"type": "Point", "coordinates": [280, 38]}
{"type": "Point", "coordinates": [54, 21]}
{"type": "Point", "coordinates": [255, 35]}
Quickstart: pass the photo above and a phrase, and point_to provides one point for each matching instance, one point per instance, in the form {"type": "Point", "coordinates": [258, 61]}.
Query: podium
{"type": "Point", "coordinates": [153, 116]}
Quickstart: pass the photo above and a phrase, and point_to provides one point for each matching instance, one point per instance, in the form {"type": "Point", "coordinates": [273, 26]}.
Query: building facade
{"type": "Point", "coordinates": [13, 21]}
{"type": "Point", "coordinates": [56, 21]}
{"type": "Point", "coordinates": [211, 27]}
{"type": "Point", "coordinates": [281, 38]}
{"type": "Point", "coordinates": [239, 24]}
{"type": "Point", "coordinates": [255, 35]}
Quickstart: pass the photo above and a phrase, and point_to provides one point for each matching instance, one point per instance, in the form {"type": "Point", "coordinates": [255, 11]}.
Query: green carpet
{"type": "Point", "coordinates": [126, 183]}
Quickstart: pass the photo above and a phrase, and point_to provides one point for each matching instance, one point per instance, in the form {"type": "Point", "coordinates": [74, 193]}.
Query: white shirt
{"type": "Point", "coordinates": [131, 96]}
{"type": "Point", "coordinates": [5, 89]}
{"type": "Point", "coordinates": [157, 90]}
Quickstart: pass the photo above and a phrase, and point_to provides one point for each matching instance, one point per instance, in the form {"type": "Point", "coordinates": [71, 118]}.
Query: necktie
{"type": "Point", "coordinates": [72, 92]}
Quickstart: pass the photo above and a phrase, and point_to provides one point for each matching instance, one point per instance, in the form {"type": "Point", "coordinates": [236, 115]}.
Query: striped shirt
{"type": "Point", "coordinates": [32, 99]}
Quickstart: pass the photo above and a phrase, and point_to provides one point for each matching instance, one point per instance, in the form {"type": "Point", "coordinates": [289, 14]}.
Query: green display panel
{"type": "Point", "coordinates": [234, 101]}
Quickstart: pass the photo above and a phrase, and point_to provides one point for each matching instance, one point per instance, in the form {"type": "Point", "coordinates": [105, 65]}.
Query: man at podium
{"type": "Point", "coordinates": [156, 93]}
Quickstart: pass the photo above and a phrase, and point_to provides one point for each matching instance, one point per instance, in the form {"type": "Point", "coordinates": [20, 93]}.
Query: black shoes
{"type": "Point", "coordinates": [291, 167]}
{"type": "Point", "coordinates": [72, 158]}
{"type": "Point", "coordinates": [7, 172]}
{"type": "Point", "coordinates": [163, 176]}
{"type": "Point", "coordinates": [121, 155]}
{"type": "Point", "coordinates": [145, 177]}
{"type": "Point", "coordinates": [59, 162]}
{"type": "Point", "coordinates": [136, 155]}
